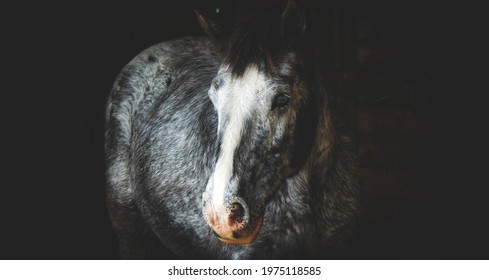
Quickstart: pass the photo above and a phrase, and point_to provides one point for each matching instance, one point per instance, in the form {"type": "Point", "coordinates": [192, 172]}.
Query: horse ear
{"type": "Point", "coordinates": [292, 24]}
{"type": "Point", "coordinates": [212, 29]}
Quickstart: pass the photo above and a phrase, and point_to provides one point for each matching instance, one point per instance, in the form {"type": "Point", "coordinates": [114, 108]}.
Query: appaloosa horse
{"type": "Point", "coordinates": [225, 147]}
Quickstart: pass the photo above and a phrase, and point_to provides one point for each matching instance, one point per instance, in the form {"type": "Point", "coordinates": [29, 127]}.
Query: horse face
{"type": "Point", "coordinates": [263, 123]}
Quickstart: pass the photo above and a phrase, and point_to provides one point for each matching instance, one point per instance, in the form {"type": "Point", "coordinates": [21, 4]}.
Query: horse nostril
{"type": "Point", "coordinates": [237, 214]}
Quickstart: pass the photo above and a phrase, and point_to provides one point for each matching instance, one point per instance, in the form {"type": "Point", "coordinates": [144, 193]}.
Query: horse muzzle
{"type": "Point", "coordinates": [231, 220]}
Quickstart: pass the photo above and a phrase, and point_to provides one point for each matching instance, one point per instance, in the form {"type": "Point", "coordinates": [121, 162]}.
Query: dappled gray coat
{"type": "Point", "coordinates": [290, 184]}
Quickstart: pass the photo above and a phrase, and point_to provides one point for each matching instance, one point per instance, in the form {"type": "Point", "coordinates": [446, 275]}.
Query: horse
{"type": "Point", "coordinates": [225, 146]}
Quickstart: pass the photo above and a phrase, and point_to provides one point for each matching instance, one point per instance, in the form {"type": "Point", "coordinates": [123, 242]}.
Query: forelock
{"type": "Point", "coordinates": [256, 41]}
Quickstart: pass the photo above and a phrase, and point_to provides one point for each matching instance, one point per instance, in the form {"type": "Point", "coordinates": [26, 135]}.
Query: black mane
{"type": "Point", "coordinates": [256, 41]}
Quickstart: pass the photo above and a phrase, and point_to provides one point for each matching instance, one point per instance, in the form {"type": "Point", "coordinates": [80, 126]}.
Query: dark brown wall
{"type": "Point", "coordinates": [398, 69]}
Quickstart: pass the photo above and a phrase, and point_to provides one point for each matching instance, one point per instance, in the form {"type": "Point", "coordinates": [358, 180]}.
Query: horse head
{"type": "Point", "coordinates": [266, 120]}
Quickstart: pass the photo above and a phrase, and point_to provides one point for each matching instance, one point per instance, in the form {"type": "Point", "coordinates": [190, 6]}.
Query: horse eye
{"type": "Point", "coordinates": [281, 101]}
{"type": "Point", "coordinates": [216, 84]}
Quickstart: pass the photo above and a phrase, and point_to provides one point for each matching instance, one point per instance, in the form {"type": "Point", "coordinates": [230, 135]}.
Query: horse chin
{"type": "Point", "coordinates": [244, 236]}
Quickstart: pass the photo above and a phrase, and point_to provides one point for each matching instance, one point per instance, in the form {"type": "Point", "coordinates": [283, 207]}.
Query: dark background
{"type": "Point", "coordinates": [404, 72]}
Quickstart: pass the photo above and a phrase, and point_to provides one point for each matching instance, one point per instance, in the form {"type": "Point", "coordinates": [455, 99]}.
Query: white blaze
{"type": "Point", "coordinates": [239, 97]}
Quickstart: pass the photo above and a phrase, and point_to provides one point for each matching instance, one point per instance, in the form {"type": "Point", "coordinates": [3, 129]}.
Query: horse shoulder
{"type": "Point", "coordinates": [139, 86]}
